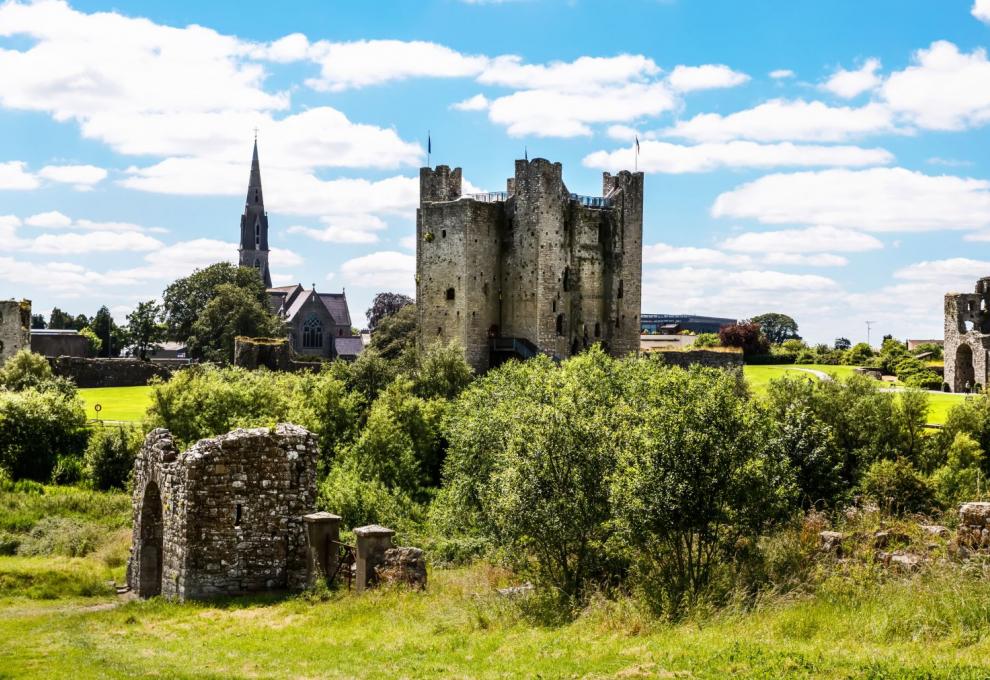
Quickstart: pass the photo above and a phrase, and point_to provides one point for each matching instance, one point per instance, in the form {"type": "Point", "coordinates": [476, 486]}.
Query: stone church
{"type": "Point", "coordinates": [318, 324]}
{"type": "Point", "coordinates": [533, 269]}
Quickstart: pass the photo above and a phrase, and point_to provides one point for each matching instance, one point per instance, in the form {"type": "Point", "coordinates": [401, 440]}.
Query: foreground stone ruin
{"type": "Point", "coordinates": [234, 515]}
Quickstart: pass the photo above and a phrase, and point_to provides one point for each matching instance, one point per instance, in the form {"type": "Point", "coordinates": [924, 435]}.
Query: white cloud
{"type": "Point", "coordinates": [382, 270]}
{"type": "Point", "coordinates": [293, 47]}
{"type": "Point", "coordinates": [955, 270]}
{"type": "Point", "coordinates": [373, 62]}
{"type": "Point", "coordinates": [408, 242]}
{"type": "Point", "coordinates": [623, 133]}
{"type": "Point", "coordinates": [478, 102]}
{"type": "Point", "coordinates": [781, 73]}
{"type": "Point", "coordinates": [555, 113]}
{"type": "Point", "coordinates": [817, 260]}
{"type": "Point", "coordinates": [582, 74]}
{"type": "Point", "coordinates": [706, 77]}
{"type": "Point", "coordinates": [83, 176]}
{"type": "Point", "coordinates": [877, 199]}
{"type": "Point", "coordinates": [781, 119]}
{"type": "Point", "coordinates": [673, 158]}
{"type": "Point", "coordinates": [849, 84]}
{"type": "Point", "coordinates": [282, 257]}
{"type": "Point", "coordinates": [981, 10]}
{"type": "Point", "coordinates": [662, 253]}
{"type": "Point", "coordinates": [344, 229]}
{"type": "Point", "coordinates": [13, 176]}
{"type": "Point", "coordinates": [944, 89]}
{"type": "Point", "coordinates": [91, 242]}
{"type": "Point", "coordinates": [816, 239]}
{"type": "Point", "coordinates": [48, 220]}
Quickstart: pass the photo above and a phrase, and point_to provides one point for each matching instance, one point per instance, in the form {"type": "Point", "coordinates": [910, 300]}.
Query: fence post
{"type": "Point", "coordinates": [372, 542]}
{"type": "Point", "coordinates": [322, 532]}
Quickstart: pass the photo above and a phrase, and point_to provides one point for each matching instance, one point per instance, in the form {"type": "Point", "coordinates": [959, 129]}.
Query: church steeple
{"type": "Point", "coordinates": [253, 250]}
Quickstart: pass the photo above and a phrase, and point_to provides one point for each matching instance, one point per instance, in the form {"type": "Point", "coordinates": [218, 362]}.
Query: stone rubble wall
{"type": "Point", "coordinates": [86, 372]}
{"type": "Point", "coordinates": [405, 566]}
{"type": "Point", "coordinates": [233, 510]}
{"type": "Point", "coordinates": [974, 526]}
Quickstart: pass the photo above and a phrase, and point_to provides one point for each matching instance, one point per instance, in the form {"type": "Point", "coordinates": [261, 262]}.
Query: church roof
{"type": "Point", "coordinates": [288, 300]}
{"type": "Point", "coordinates": [348, 347]}
{"type": "Point", "coordinates": [336, 304]}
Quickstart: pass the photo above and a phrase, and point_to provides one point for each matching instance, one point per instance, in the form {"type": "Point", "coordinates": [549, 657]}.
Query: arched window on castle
{"type": "Point", "coordinates": [312, 333]}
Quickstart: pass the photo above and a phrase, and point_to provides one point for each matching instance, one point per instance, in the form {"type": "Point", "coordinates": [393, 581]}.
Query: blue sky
{"type": "Point", "coordinates": [827, 160]}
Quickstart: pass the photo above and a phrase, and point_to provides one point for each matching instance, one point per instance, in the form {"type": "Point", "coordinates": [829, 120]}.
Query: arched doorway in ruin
{"type": "Point", "coordinates": [965, 373]}
{"type": "Point", "coordinates": [152, 542]}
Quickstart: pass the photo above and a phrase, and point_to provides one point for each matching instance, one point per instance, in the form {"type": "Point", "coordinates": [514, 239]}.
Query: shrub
{"type": "Point", "coordinates": [361, 501]}
{"type": "Point", "coordinates": [64, 536]}
{"type": "Point", "coordinates": [915, 373]}
{"type": "Point", "coordinates": [897, 487]}
{"type": "Point", "coordinates": [110, 457]}
{"type": "Point", "coordinates": [25, 369]}
{"type": "Point", "coordinates": [858, 354]}
{"type": "Point", "coordinates": [703, 340]}
{"type": "Point", "coordinates": [68, 470]}
{"type": "Point", "coordinates": [36, 428]}
{"type": "Point", "coordinates": [746, 335]}
{"type": "Point", "coordinates": [443, 372]}
{"type": "Point", "coordinates": [813, 452]}
{"type": "Point", "coordinates": [959, 479]}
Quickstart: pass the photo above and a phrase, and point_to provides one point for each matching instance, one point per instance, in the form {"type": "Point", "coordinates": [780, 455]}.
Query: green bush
{"type": "Point", "coordinates": [110, 456]}
{"type": "Point", "coordinates": [68, 470]}
{"type": "Point", "coordinates": [897, 487]}
{"type": "Point", "coordinates": [703, 340]}
{"type": "Point", "coordinates": [25, 369]}
{"type": "Point", "coordinates": [915, 373]}
{"type": "Point", "coordinates": [64, 536]}
{"type": "Point", "coordinates": [36, 429]}
{"type": "Point", "coordinates": [959, 480]}
{"type": "Point", "coordinates": [361, 501]}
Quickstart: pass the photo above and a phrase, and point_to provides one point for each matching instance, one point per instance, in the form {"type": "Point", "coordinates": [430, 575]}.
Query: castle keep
{"type": "Point", "coordinates": [967, 338]}
{"type": "Point", "coordinates": [534, 269]}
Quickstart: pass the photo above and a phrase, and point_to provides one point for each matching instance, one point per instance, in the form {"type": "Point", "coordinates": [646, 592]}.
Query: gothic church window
{"type": "Point", "coordinates": [312, 333]}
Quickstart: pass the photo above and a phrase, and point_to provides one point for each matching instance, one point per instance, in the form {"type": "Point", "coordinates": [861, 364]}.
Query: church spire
{"type": "Point", "coordinates": [253, 251]}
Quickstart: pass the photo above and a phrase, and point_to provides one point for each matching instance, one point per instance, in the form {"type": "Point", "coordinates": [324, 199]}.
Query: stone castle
{"type": "Point", "coordinates": [967, 338]}
{"type": "Point", "coordinates": [15, 327]}
{"type": "Point", "coordinates": [534, 269]}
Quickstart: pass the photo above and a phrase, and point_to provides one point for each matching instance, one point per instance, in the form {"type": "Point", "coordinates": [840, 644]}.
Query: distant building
{"type": "Point", "coordinates": [59, 342]}
{"type": "Point", "coordinates": [318, 324]}
{"type": "Point", "coordinates": [671, 324]}
{"type": "Point", "coordinates": [914, 344]}
{"type": "Point", "coordinates": [649, 343]}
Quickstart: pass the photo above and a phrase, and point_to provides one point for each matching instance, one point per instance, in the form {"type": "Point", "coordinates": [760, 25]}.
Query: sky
{"type": "Point", "coordinates": [827, 160]}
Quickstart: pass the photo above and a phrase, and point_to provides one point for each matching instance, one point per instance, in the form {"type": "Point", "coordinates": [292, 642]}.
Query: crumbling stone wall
{"type": "Point", "coordinates": [536, 263]}
{"type": "Point", "coordinates": [967, 339]}
{"type": "Point", "coordinates": [275, 354]}
{"type": "Point", "coordinates": [974, 526]}
{"type": "Point", "coordinates": [700, 357]}
{"type": "Point", "coordinates": [226, 516]}
{"type": "Point", "coordinates": [15, 327]}
{"type": "Point", "coordinates": [87, 372]}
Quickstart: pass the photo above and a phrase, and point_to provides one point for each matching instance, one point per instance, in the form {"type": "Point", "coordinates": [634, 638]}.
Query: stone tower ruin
{"type": "Point", "coordinates": [15, 327]}
{"type": "Point", "coordinates": [533, 269]}
{"type": "Point", "coordinates": [967, 338]}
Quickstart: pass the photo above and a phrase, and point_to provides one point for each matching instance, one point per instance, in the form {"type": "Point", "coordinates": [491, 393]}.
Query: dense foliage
{"type": "Point", "coordinates": [777, 327]}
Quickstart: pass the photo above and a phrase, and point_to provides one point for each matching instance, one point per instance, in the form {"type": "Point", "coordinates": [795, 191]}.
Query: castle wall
{"type": "Point", "coordinates": [92, 372]}
{"type": "Point", "coordinates": [967, 339]}
{"type": "Point", "coordinates": [230, 519]}
{"type": "Point", "coordinates": [15, 327]}
{"type": "Point", "coordinates": [568, 271]}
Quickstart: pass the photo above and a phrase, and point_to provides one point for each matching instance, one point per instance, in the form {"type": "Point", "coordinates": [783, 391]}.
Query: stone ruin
{"type": "Point", "coordinates": [234, 515]}
{"type": "Point", "coordinates": [974, 527]}
{"type": "Point", "coordinates": [967, 339]}
{"type": "Point", "coordinates": [15, 327]}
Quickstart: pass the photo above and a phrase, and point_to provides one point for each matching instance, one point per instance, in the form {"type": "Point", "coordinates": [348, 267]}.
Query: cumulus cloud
{"type": "Point", "coordinates": [877, 199]}
{"type": "Point", "coordinates": [344, 229]}
{"type": "Point", "coordinates": [706, 77]}
{"type": "Point", "coordinates": [952, 269]}
{"type": "Point", "coordinates": [781, 73]}
{"type": "Point", "coordinates": [478, 102]}
{"type": "Point", "coordinates": [49, 219]}
{"type": "Point", "coordinates": [781, 119]}
{"type": "Point", "coordinates": [664, 157]}
{"type": "Point", "coordinates": [662, 253]}
{"type": "Point", "coordinates": [815, 239]}
{"type": "Point", "coordinates": [82, 176]}
{"type": "Point", "coordinates": [981, 10]}
{"type": "Point", "coordinates": [849, 84]}
{"type": "Point", "coordinates": [14, 176]}
{"type": "Point", "coordinates": [387, 269]}
{"type": "Point", "coordinates": [816, 260]}
{"type": "Point", "coordinates": [944, 89]}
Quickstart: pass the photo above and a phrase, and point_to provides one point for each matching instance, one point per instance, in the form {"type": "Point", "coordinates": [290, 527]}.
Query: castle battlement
{"type": "Point", "coordinates": [535, 268]}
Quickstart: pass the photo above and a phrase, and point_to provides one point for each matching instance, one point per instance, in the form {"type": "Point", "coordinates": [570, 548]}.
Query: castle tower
{"type": "Point", "coordinates": [253, 251]}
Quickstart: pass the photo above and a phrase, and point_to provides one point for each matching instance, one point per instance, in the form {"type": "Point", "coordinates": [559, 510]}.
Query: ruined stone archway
{"type": "Point", "coordinates": [965, 374]}
{"type": "Point", "coordinates": [152, 543]}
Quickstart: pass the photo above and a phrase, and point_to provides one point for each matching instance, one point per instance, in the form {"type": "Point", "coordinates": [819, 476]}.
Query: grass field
{"type": "Point", "coordinates": [940, 403]}
{"type": "Point", "coordinates": [921, 627]}
{"type": "Point", "coordinates": [119, 403]}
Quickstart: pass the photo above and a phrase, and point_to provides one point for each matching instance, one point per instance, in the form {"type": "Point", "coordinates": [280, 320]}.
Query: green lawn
{"type": "Point", "coordinates": [759, 376]}
{"type": "Point", "coordinates": [459, 628]}
{"type": "Point", "coordinates": [119, 403]}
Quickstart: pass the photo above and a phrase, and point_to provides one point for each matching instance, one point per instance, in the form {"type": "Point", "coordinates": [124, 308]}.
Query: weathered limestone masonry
{"type": "Point", "coordinates": [532, 269]}
{"type": "Point", "coordinates": [86, 372]}
{"type": "Point", "coordinates": [226, 516]}
{"type": "Point", "coordinates": [15, 327]}
{"type": "Point", "coordinates": [974, 526]}
{"type": "Point", "coordinates": [967, 338]}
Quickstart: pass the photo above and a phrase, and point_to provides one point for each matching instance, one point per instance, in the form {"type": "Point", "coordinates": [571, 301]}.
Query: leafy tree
{"type": "Point", "coordinates": [113, 336]}
{"type": "Point", "coordinates": [695, 474]}
{"type": "Point", "coordinates": [36, 429]}
{"type": "Point", "coordinates": [23, 370]}
{"type": "Point", "coordinates": [185, 300]}
{"type": "Point", "coordinates": [395, 335]}
{"type": "Point", "coordinates": [937, 351]}
{"type": "Point", "coordinates": [842, 343]}
{"type": "Point", "coordinates": [370, 373]}
{"type": "Point", "coordinates": [144, 327]}
{"type": "Point", "coordinates": [443, 372]}
{"type": "Point", "coordinates": [897, 487]}
{"type": "Point", "coordinates": [110, 456]}
{"type": "Point", "coordinates": [232, 311]}
{"type": "Point", "coordinates": [93, 341]}
{"type": "Point", "coordinates": [59, 319]}
{"type": "Point", "coordinates": [703, 340]}
{"type": "Point", "coordinates": [747, 335]}
{"type": "Point", "coordinates": [859, 354]}
{"type": "Point", "coordinates": [38, 321]}
{"type": "Point", "coordinates": [385, 305]}
{"type": "Point", "coordinates": [810, 446]}
{"type": "Point", "coordinates": [959, 480]}
{"type": "Point", "coordinates": [777, 327]}
{"type": "Point", "coordinates": [915, 373]}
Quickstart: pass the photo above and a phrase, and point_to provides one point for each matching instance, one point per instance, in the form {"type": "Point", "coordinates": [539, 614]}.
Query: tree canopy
{"type": "Point", "coordinates": [185, 300]}
{"type": "Point", "coordinates": [777, 327]}
{"type": "Point", "coordinates": [385, 305]}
